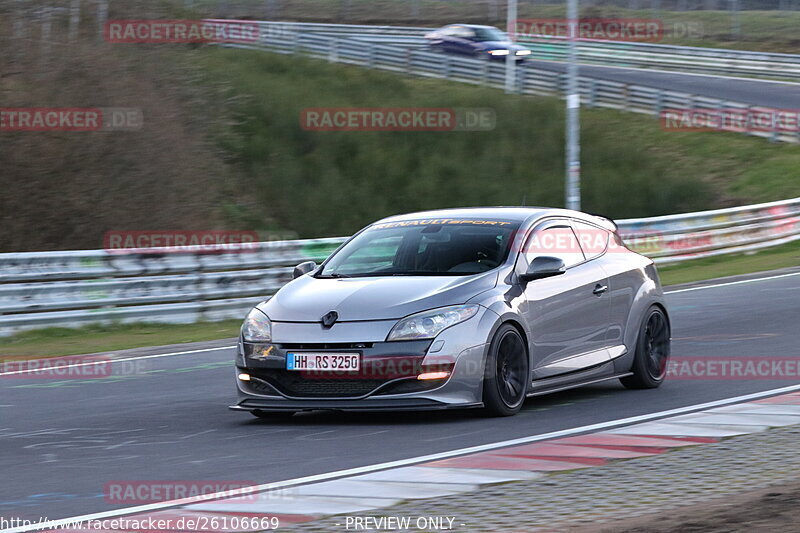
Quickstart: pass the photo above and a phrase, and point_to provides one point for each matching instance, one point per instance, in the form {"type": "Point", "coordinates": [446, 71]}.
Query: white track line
{"type": "Point", "coordinates": [729, 283]}
{"type": "Point", "coordinates": [403, 462]}
{"type": "Point", "coordinates": [671, 72]}
{"type": "Point", "coordinates": [107, 361]}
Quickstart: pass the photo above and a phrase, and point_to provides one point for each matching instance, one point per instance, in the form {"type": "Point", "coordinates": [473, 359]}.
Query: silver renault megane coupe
{"type": "Point", "coordinates": [458, 308]}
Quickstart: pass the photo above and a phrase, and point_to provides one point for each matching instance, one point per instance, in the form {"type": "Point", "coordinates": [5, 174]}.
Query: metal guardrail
{"type": "Point", "coordinates": [69, 289]}
{"type": "Point", "coordinates": [79, 287]}
{"type": "Point", "coordinates": [482, 71]}
{"type": "Point", "coordinates": [676, 238]}
{"type": "Point", "coordinates": [718, 61]}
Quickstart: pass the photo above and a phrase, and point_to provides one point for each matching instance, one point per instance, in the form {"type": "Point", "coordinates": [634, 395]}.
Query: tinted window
{"type": "Point", "coordinates": [490, 34]}
{"type": "Point", "coordinates": [554, 241]}
{"type": "Point", "coordinates": [593, 240]}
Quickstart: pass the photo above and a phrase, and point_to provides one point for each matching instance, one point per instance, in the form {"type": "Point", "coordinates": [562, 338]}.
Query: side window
{"type": "Point", "coordinates": [593, 240]}
{"type": "Point", "coordinates": [554, 241]}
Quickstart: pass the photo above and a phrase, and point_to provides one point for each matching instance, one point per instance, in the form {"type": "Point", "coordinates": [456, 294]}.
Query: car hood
{"type": "Point", "coordinates": [307, 298]}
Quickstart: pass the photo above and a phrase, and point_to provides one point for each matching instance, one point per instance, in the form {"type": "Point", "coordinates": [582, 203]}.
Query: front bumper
{"type": "Point", "coordinates": [387, 380]}
{"type": "Point", "coordinates": [388, 376]}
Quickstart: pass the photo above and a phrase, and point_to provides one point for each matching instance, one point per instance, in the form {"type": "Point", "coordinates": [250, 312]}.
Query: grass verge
{"type": "Point", "coordinates": [92, 339]}
{"type": "Point", "coordinates": [783, 256]}
{"type": "Point", "coordinates": [51, 342]}
{"type": "Point", "coordinates": [327, 183]}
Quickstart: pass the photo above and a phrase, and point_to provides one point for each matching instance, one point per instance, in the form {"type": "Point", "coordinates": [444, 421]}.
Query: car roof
{"type": "Point", "coordinates": [472, 26]}
{"type": "Point", "coordinates": [516, 214]}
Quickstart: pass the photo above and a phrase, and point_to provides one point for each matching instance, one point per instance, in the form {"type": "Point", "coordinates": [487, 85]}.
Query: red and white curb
{"type": "Point", "coordinates": [385, 488]}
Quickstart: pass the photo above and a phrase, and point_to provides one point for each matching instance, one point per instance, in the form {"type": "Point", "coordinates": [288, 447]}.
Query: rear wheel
{"type": "Point", "coordinates": [505, 379]}
{"type": "Point", "coordinates": [652, 352]}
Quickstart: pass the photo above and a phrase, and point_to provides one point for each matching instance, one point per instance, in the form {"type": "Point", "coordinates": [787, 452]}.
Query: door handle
{"type": "Point", "coordinates": [599, 289]}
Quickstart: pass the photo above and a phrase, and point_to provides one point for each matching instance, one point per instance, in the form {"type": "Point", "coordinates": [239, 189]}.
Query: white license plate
{"type": "Point", "coordinates": [349, 362]}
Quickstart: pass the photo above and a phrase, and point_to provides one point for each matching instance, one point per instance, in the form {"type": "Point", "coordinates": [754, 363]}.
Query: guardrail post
{"type": "Point", "coordinates": [626, 97]}
{"type": "Point", "coordinates": [333, 53]}
{"type": "Point", "coordinates": [74, 19]}
{"type": "Point", "coordinates": [102, 17]}
{"type": "Point", "coordinates": [522, 74]}
{"type": "Point", "coordinates": [485, 73]}
{"type": "Point", "coordinates": [448, 64]}
{"type": "Point", "coordinates": [409, 61]}
{"type": "Point", "coordinates": [371, 57]}
{"type": "Point", "coordinates": [47, 26]}
{"type": "Point", "coordinates": [590, 102]}
{"type": "Point", "coordinates": [774, 124]}
{"type": "Point", "coordinates": [659, 103]}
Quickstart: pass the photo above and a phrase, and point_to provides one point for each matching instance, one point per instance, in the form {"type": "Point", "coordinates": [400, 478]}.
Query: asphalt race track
{"type": "Point", "coordinates": [767, 93]}
{"type": "Point", "coordinates": [60, 441]}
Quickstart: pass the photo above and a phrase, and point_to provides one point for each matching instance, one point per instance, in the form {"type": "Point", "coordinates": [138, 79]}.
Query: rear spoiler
{"type": "Point", "coordinates": [605, 218]}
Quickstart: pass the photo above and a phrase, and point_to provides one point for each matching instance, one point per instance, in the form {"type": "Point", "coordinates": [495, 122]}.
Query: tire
{"type": "Point", "coordinates": [652, 352]}
{"type": "Point", "coordinates": [507, 373]}
{"type": "Point", "coordinates": [272, 415]}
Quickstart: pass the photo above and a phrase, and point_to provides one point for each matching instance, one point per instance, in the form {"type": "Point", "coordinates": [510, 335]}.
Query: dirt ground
{"type": "Point", "coordinates": [773, 510]}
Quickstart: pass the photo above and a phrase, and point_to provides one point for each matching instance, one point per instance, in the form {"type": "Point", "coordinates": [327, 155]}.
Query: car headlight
{"type": "Point", "coordinates": [428, 324]}
{"type": "Point", "coordinates": [499, 52]}
{"type": "Point", "coordinates": [523, 52]}
{"type": "Point", "coordinates": [257, 327]}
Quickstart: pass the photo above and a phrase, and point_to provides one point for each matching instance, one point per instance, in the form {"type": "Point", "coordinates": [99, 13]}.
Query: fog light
{"type": "Point", "coordinates": [244, 377]}
{"type": "Point", "coordinates": [433, 375]}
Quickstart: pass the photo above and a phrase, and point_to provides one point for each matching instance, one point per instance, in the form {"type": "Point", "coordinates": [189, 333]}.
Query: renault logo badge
{"type": "Point", "coordinates": [329, 319]}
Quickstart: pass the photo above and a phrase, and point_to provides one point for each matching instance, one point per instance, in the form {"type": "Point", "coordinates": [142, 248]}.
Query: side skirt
{"type": "Point", "coordinates": [566, 386]}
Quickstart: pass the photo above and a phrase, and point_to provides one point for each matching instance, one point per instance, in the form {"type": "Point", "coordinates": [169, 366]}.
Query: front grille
{"type": "Point", "coordinates": [326, 346]}
{"type": "Point", "coordinates": [294, 384]}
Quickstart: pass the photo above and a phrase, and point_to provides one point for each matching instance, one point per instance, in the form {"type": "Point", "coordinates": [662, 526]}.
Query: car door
{"type": "Point", "coordinates": [462, 42]}
{"type": "Point", "coordinates": [450, 38]}
{"type": "Point", "coordinates": [566, 314]}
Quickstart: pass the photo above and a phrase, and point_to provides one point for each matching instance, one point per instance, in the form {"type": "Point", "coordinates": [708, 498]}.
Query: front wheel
{"type": "Point", "coordinates": [652, 352]}
{"type": "Point", "coordinates": [505, 379]}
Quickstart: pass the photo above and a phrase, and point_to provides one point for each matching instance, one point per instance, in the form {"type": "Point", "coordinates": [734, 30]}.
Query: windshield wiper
{"type": "Point", "coordinates": [333, 275]}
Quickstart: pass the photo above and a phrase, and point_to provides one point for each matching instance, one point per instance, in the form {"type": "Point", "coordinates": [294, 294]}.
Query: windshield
{"type": "Point", "coordinates": [438, 247]}
{"type": "Point", "coordinates": [490, 34]}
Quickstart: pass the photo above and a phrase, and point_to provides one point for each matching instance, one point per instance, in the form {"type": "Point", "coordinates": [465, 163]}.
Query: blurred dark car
{"type": "Point", "coordinates": [476, 41]}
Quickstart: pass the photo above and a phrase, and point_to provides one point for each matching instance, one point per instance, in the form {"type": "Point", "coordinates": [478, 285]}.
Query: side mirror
{"type": "Point", "coordinates": [303, 268]}
{"type": "Point", "coordinates": [544, 267]}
